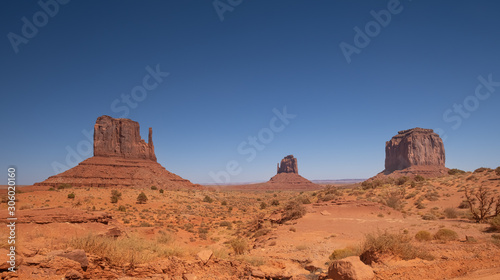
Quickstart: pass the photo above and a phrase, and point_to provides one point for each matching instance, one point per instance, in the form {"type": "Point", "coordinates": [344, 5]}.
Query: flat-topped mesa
{"type": "Point", "coordinates": [121, 138]}
{"type": "Point", "coordinates": [414, 147]}
{"type": "Point", "coordinates": [288, 165]}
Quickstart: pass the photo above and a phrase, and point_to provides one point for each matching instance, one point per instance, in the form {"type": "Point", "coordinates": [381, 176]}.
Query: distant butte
{"type": "Point", "coordinates": [288, 178]}
{"type": "Point", "coordinates": [121, 158]}
{"type": "Point", "coordinates": [416, 151]}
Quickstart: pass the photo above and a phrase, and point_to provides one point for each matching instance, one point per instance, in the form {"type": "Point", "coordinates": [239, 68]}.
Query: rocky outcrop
{"type": "Point", "coordinates": [121, 159]}
{"type": "Point", "coordinates": [288, 165]}
{"type": "Point", "coordinates": [59, 215]}
{"type": "Point", "coordinates": [350, 268]}
{"type": "Point", "coordinates": [414, 147]}
{"type": "Point", "coordinates": [121, 138]}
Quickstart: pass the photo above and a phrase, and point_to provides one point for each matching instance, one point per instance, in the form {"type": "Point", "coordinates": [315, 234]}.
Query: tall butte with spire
{"type": "Point", "coordinates": [121, 158]}
{"type": "Point", "coordinates": [287, 176]}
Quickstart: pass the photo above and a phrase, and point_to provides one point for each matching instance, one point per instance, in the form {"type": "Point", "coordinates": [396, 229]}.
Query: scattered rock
{"type": "Point", "coordinates": [205, 255]}
{"type": "Point", "coordinates": [325, 213]}
{"type": "Point", "coordinates": [258, 274]}
{"type": "Point", "coordinates": [189, 276]}
{"type": "Point", "coordinates": [73, 274]}
{"type": "Point", "coordinates": [350, 268]}
{"type": "Point", "coordinates": [114, 232]}
{"type": "Point", "coordinates": [77, 255]}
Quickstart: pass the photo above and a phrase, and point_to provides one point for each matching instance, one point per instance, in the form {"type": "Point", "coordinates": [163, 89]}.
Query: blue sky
{"type": "Point", "coordinates": [226, 77]}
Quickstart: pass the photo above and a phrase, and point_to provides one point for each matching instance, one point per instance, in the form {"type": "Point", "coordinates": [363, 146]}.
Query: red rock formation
{"type": "Point", "coordinates": [121, 138]}
{"type": "Point", "coordinates": [288, 165]}
{"type": "Point", "coordinates": [414, 147]}
{"type": "Point", "coordinates": [121, 158]}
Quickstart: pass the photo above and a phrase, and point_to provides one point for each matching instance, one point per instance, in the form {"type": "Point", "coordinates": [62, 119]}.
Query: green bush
{"type": "Point", "coordinates": [482, 169]}
{"type": "Point", "coordinates": [162, 191]}
{"type": "Point", "coordinates": [263, 205]}
{"type": "Point", "coordinates": [275, 202]}
{"type": "Point", "coordinates": [401, 180]}
{"type": "Point", "coordinates": [223, 203]}
{"type": "Point", "coordinates": [154, 188]}
{"type": "Point", "coordinates": [446, 235]}
{"type": "Point", "coordinates": [71, 195]}
{"type": "Point", "coordinates": [64, 186]}
{"type": "Point", "coordinates": [122, 208]}
{"type": "Point", "coordinates": [142, 198]}
{"type": "Point", "coordinates": [423, 235]}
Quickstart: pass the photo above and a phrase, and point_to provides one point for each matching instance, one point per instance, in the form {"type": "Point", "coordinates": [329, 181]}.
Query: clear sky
{"type": "Point", "coordinates": [350, 75]}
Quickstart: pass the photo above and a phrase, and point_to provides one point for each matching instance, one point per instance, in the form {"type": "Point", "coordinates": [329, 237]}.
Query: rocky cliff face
{"type": "Point", "coordinates": [121, 138]}
{"type": "Point", "coordinates": [414, 147]}
{"type": "Point", "coordinates": [288, 165]}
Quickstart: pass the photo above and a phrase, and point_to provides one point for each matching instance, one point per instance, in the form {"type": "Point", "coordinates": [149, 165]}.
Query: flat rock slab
{"type": "Point", "coordinates": [58, 215]}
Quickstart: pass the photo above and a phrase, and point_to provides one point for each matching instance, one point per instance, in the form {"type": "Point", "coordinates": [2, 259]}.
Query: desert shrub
{"type": "Point", "coordinates": [451, 213]}
{"type": "Point", "coordinates": [275, 202]}
{"type": "Point", "coordinates": [64, 186]}
{"type": "Point", "coordinates": [292, 211]}
{"type": "Point", "coordinates": [142, 198]}
{"type": "Point", "coordinates": [162, 191]}
{"type": "Point", "coordinates": [391, 243]}
{"type": "Point", "coordinates": [419, 178]}
{"type": "Point", "coordinates": [227, 224]}
{"type": "Point", "coordinates": [497, 171]}
{"type": "Point", "coordinates": [263, 205]}
{"type": "Point", "coordinates": [455, 171]}
{"type": "Point", "coordinates": [495, 223]}
{"type": "Point", "coordinates": [395, 198]}
{"type": "Point", "coordinates": [132, 250]}
{"type": "Point", "coordinates": [122, 208]}
{"type": "Point", "coordinates": [483, 204]}
{"type": "Point", "coordinates": [371, 184]}
{"type": "Point", "coordinates": [482, 169]}
{"type": "Point", "coordinates": [261, 232]}
{"type": "Point", "coordinates": [328, 197]}
{"type": "Point", "coordinates": [292, 229]}
{"type": "Point", "coordinates": [463, 204]}
{"type": "Point", "coordinates": [401, 180]}
{"type": "Point", "coordinates": [304, 200]}
{"type": "Point", "coordinates": [51, 189]}
{"type": "Point", "coordinates": [344, 253]}
{"type": "Point", "coordinates": [115, 196]}
{"type": "Point", "coordinates": [165, 237]}
{"type": "Point", "coordinates": [429, 217]}
{"type": "Point", "coordinates": [446, 235]}
{"type": "Point", "coordinates": [71, 195]}
{"type": "Point", "coordinates": [239, 245]}
{"type": "Point", "coordinates": [423, 235]}
{"type": "Point", "coordinates": [154, 188]}
{"type": "Point", "coordinates": [223, 203]}
{"type": "Point", "coordinates": [208, 199]}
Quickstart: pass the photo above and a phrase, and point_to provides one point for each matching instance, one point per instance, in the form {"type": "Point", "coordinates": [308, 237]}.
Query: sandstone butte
{"type": "Point", "coordinates": [287, 176]}
{"type": "Point", "coordinates": [416, 151]}
{"type": "Point", "coordinates": [121, 159]}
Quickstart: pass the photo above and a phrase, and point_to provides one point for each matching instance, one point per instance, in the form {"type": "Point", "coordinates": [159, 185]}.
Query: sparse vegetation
{"type": "Point", "coordinates": [391, 243]}
{"type": "Point", "coordinates": [419, 178]}
{"type": "Point", "coordinates": [482, 169]}
{"type": "Point", "coordinates": [142, 198]}
{"type": "Point", "coordinates": [483, 204]}
{"type": "Point", "coordinates": [115, 196]}
{"type": "Point", "coordinates": [208, 199]}
{"type": "Point", "coordinates": [71, 195]}
{"type": "Point", "coordinates": [344, 253]}
{"type": "Point", "coordinates": [497, 171]}
{"type": "Point", "coordinates": [446, 235]}
{"type": "Point", "coordinates": [64, 186]}
{"type": "Point", "coordinates": [495, 223]}
{"type": "Point", "coordinates": [451, 213]}
{"type": "Point", "coordinates": [239, 245]}
{"type": "Point", "coordinates": [154, 188]}
{"type": "Point", "coordinates": [423, 235]}
{"type": "Point", "coordinates": [293, 210]}
{"type": "Point", "coordinates": [455, 171]}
